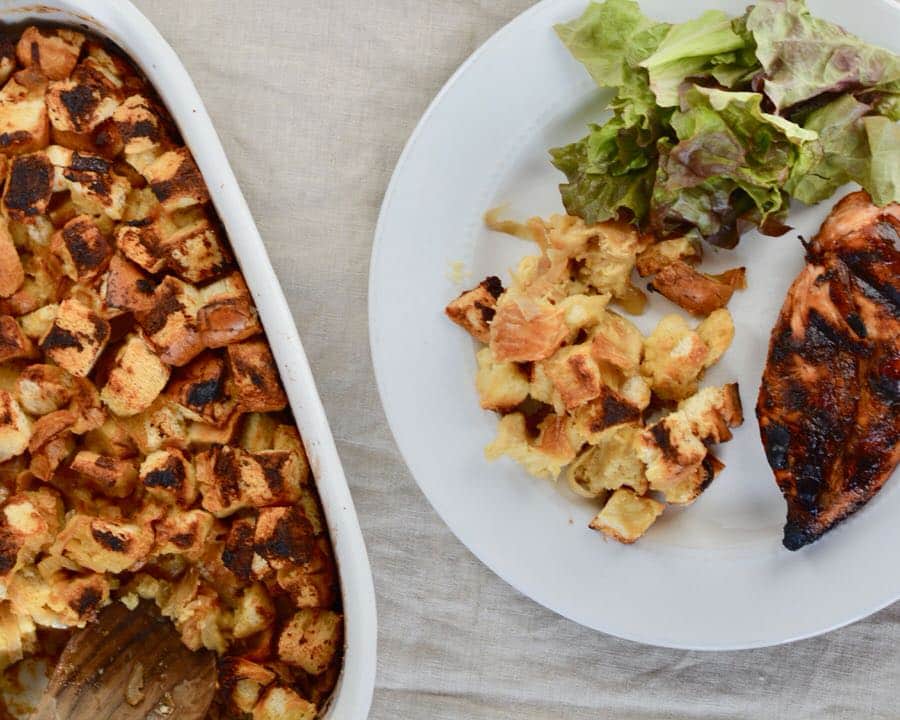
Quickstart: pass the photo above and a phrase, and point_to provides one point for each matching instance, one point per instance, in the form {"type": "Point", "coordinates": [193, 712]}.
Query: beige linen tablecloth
{"type": "Point", "coordinates": [314, 101]}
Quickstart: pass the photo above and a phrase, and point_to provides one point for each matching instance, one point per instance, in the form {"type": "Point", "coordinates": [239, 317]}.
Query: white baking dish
{"type": "Point", "coordinates": [121, 22]}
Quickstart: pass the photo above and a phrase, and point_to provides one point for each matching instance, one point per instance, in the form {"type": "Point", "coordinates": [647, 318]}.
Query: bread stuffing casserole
{"type": "Point", "coordinates": [147, 451]}
{"type": "Point", "coordinates": [578, 386]}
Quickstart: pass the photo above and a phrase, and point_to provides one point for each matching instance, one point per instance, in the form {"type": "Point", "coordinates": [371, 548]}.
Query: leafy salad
{"type": "Point", "coordinates": [718, 122]}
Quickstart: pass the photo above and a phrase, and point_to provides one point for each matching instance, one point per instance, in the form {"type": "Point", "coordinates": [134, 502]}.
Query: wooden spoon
{"type": "Point", "coordinates": [129, 665]}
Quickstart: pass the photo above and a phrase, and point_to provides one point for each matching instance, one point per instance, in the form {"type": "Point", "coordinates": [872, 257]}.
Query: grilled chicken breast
{"type": "Point", "coordinates": [829, 403]}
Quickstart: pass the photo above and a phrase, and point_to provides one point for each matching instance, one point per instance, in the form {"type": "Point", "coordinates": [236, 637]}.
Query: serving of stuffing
{"type": "Point", "coordinates": [580, 389]}
{"type": "Point", "coordinates": [147, 450]}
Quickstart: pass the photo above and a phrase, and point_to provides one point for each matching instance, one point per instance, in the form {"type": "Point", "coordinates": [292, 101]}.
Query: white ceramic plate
{"type": "Point", "coordinates": [711, 576]}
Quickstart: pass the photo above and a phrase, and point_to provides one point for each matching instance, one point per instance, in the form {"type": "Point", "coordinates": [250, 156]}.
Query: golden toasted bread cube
{"type": "Point", "coordinates": [36, 324]}
{"type": "Point", "coordinates": [168, 475]}
{"type": "Point", "coordinates": [81, 249]}
{"type": "Point", "coordinates": [282, 703]}
{"type": "Point", "coordinates": [15, 427]}
{"type": "Point", "coordinates": [524, 329]}
{"type": "Point", "coordinates": [125, 288]}
{"type": "Point", "coordinates": [255, 384]}
{"type": "Point", "coordinates": [545, 456]}
{"type": "Point", "coordinates": [310, 584]}
{"type": "Point", "coordinates": [666, 252]}
{"type": "Point", "coordinates": [617, 341]}
{"type": "Point", "coordinates": [201, 391]}
{"type": "Point", "coordinates": [42, 389]}
{"type": "Point", "coordinates": [311, 639]}
{"type": "Point", "coordinates": [12, 274]}
{"type": "Point", "coordinates": [712, 411]}
{"type": "Point", "coordinates": [205, 434]}
{"type": "Point", "coordinates": [583, 311]}
{"type": "Point", "coordinates": [30, 184]}
{"type": "Point", "coordinates": [254, 612]}
{"type": "Point", "coordinates": [142, 243]}
{"type": "Point", "coordinates": [95, 188]}
{"type": "Point", "coordinates": [160, 425]}
{"type": "Point", "coordinates": [76, 338]}
{"type": "Point", "coordinates": [230, 479]}
{"type": "Point", "coordinates": [103, 545]}
{"type": "Point", "coordinates": [195, 252]}
{"type": "Point", "coordinates": [474, 309]}
{"type": "Point", "coordinates": [258, 432]}
{"type": "Point", "coordinates": [136, 379]}
{"type": "Point", "coordinates": [14, 343]}
{"type": "Point", "coordinates": [626, 515]}
{"type": "Point", "coordinates": [198, 622]}
{"type": "Point", "coordinates": [103, 67]}
{"type": "Point", "coordinates": [501, 385]}
{"type": "Point", "coordinates": [674, 358]}
{"type": "Point", "coordinates": [18, 636]}
{"type": "Point", "coordinates": [717, 332]}
{"type": "Point", "coordinates": [245, 679]}
{"type": "Point", "coordinates": [29, 521]}
{"type": "Point", "coordinates": [575, 375]}
{"type": "Point", "coordinates": [52, 51]}
{"type": "Point", "coordinates": [24, 124]}
{"type": "Point", "coordinates": [608, 464]}
{"type": "Point", "coordinates": [51, 442]}
{"type": "Point", "coordinates": [228, 314]}
{"type": "Point", "coordinates": [113, 477]}
{"type": "Point", "coordinates": [183, 532]}
{"type": "Point", "coordinates": [176, 181]}
{"type": "Point", "coordinates": [110, 439]}
{"type": "Point", "coordinates": [139, 130]}
{"type": "Point", "coordinates": [39, 289]}
{"type": "Point", "coordinates": [171, 322]}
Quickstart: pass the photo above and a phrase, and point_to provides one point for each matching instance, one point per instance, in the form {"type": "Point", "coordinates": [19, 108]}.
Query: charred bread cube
{"type": "Point", "coordinates": [575, 375]}
{"type": "Point", "coordinates": [282, 703]}
{"type": "Point", "coordinates": [76, 338]}
{"type": "Point", "coordinates": [228, 314]}
{"type": "Point", "coordinates": [283, 537]}
{"type": "Point", "coordinates": [103, 545]}
{"type": "Point", "coordinates": [240, 548]}
{"type": "Point", "coordinates": [110, 476]}
{"type": "Point", "coordinates": [14, 343]}
{"type": "Point", "coordinates": [12, 274]}
{"type": "Point", "coordinates": [230, 479]}
{"type": "Point", "coordinates": [79, 104]}
{"type": "Point", "coordinates": [95, 188]}
{"type": "Point", "coordinates": [43, 389]}
{"type": "Point", "coordinates": [30, 184]}
{"type": "Point", "coordinates": [15, 427]}
{"type": "Point", "coordinates": [176, 181]}
{"type": "Point", "coordinates": [139, 131]}
{"type": "Point", "coordinates": [54, 52]}
{"type": "Point", "coordinates": [310, 584]}
{"type": "Point", "coordinates": [254, 377]}
{"type": "Point", "coordinates": [525, 329]}
{"type": "Point", "coordinates": [195, 253]}
{"type": "Point", "coordinates": [81, 249]}
{"type": "Point", "coordinates": [29, 521]}
{"type": "Point", "coordinates": [626, 515]}
{"type": "Point", "coordinates": [140, 242]}
{"type": "Point", "coordinates": [201, 390]}
{"type": "Point", "coordinates": [136, 379]}
{"type": "Point", "coordinates": [310, 640]}
{"type": "Point", "coordinates": [609, 410]}
{"type": "Point", "coordinates": [24, 123]}
{"type": "Point", "coordinates": [125, 288]}
{"type": "Point", "coordinates": [474, 309]}
{"type": "Point", "coordinates": [171, 323]}
{"type": "Point", "coordinates": [168, 475]}
{"type": "Point", "coordinates": [183, 532]}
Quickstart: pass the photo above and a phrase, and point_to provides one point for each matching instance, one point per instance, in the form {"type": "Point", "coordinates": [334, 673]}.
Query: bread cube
{"type": "Point", "coordinates": [716, 332]}
{"type": "Point", "coordinates": [183, 532]}
{"type": "Point", "coordinates": [136, 379]}
{"type": "Point", "coordinates": [258, 432]}
{"type": "Point", "coordinates": [501, 385]}
{"type": "Point", "coordinates": [697, 292]}
{"type": "Point", "coordinates": [609, 410]}
{"type": "Point", "coordinates": [7, 58]}
{"type": "Point", "coordinates": [30, 184]}
{"type": "Point", "coordinates": [95, 189]}
{"type": "Point", "coordinates": [24, 124]}
{"type": "Point", "coordinates": [311, 639]}
{"type": "Point", "coordinates": [29, 521]}
{"type": "Point", "coordinates": [38, 323]}
{"type": "Point", "coordinates": [674, 358]}
{"type": "Point", "coordinates": [76, 338]}
{"type": "Point", "coordinates": [228, 314]}
{"type": "Point", "coordinates": [524, 329]}
{"type": "Point", "coordinates": [81, 249]}
{"type": "Point", "coordinates": [171, 322]}
{"type": "Point", "coordinates": [14, 343]}
{"type": "Point", "coordinates": [79, 104]}
{"type": "Point", "coordinates": [42, 389]}
{"type": "Point", "coordinates": [283, 536]}
{"type": "Point", "coordinates": [244, 680]}
{"type": "Point", "coordinates": [626, 515]}
{"type": "Point", "coordinates": [240, 547]}
{"type": "Point", "coordinates": [53, 51]}
{"type": "Point", "coordinates": [110, 476]}
{"type": "Point", "coordinates": [196, 253]}
{"type": "Point", "coordinates": [15, 427]}
{"type": "Point", "coordinates": [255, 384]}
{"type": "Point", "coordinates": [617, 341]}
{"type": "Point", "coordinates": [309, 584]}
{"type": "Point", "coordinates": [160, 425]}
{"type": "Point", "coordinates": [545, 456]}
{"type": "Point", "coordinates": [12, 274]}
{"type": "Point", "coordinates": [281, 703]}
{"type": "Point", "coordinates": [666, 252]}
{"type": "Point", "coordinates": [230, 479]}
{"type": "Point", "coordinates": [103, 545]}
{"type": "Point", "coordinates": [51, 442]}
{"type": "Point", "coordinates": [141, 242]}
{"type": "Point", "coordinates": [176, 181]}
{"type": "Point", "coordinates": [139, 131]}
{"type": "Point", "coordinates": [474, 309]}
{"type": "Point", "coordinates": [125, 288]}
{"type": "Point", "coordinates": [18, 636]}
{"type": "Point", "coordinates": [254, 612]}
{"type": "Point", "coordinates": [575, 375]}
{"type": "Point", "coordinates": [201, 391]}
{"type": "Point", "coordinates": [168, 475]}
{"type": "Point", "coordinates": [609, 464]}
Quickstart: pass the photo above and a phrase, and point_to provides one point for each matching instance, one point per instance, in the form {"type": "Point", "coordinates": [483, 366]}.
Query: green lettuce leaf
{"type": "Point", "coordinates": [804, 56]}
{"type": "Point", "coordinates": [695, 48]}
{"type": "Point", "coordinates": [883, 182]}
